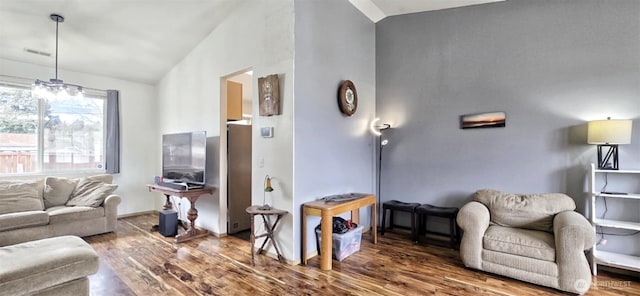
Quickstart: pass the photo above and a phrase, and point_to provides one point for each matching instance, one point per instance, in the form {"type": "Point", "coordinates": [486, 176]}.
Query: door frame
{"type": "Point", "coordinates": [223, 190]}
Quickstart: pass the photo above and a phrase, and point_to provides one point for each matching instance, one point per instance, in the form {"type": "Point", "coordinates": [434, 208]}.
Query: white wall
{"type": "Point", "coordinates": [257, 35]}
{"type": "Point", "coordinates": [138, 163]}
{"type": "Point", "coordinates": [329, 147]}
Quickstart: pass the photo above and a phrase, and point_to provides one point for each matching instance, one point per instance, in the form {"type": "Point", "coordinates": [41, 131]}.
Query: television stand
{"type": "Point", "coordinates": [180, 185]}
{"type": "Point", "coordinates": [192, 195]}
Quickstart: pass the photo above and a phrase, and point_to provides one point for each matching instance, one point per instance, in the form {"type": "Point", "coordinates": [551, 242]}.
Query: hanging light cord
{"type": "Point", "coordinates": [58, 19]}
{"type": "Point", "coordinates": [57, 23]}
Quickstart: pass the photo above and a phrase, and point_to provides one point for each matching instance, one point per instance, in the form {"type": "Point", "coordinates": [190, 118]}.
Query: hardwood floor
{"type": "Point", "coordinates": [135, 261]}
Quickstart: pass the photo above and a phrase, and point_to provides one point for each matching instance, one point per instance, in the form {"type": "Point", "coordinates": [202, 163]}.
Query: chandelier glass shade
{"type": "Point", "coordinates": [56, 87]}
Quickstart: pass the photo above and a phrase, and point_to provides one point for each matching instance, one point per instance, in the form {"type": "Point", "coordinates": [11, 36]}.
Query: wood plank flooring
{"type": "Point", "coordinates": [135, 261]}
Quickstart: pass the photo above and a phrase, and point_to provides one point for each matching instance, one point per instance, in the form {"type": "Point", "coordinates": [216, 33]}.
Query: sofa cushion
{"type": "Point", "coordinates": [17, 220]}
{"type": "Point", "coordinates": [528, 243]}
{"type": "Point", "coordinates": [39, 184]}
{"type": "Point", "coordinates": [531, 211]}
{"type": "Point", "coordinates": [64, 213]}
{"type": "Point", "coordinates": [57, 190]}
{"type": "Point", "coordinates": [90, 193]}
{"type": "Point", "coordinates": [105, 178]}
{"type": "Point", "coordinates": [20, 197]}
{"type": "Point", "coordinates": [36, 265]}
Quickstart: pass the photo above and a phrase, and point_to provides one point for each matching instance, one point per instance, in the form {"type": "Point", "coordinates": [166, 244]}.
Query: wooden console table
{"type": "Point", "coordinates": [326, 210]}
{"type": "Point", "coordinates": [269, 229]}
{"type": "Point", "coordinates": [192, 195]}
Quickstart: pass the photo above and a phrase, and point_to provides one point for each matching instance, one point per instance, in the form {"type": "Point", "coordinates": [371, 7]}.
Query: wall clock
{"type": "Point", "coordinates": [348, 98]}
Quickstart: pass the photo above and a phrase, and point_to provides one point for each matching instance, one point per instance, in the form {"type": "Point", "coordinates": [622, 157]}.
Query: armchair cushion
{"type": "Point", "coordinates": [520, 242]}
{"type": "Point", "coordinates": [530, 211]}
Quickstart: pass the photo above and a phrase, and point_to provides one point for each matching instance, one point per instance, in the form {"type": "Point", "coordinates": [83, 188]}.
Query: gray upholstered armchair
{"type": "Point", "coordinates": [536, 238]}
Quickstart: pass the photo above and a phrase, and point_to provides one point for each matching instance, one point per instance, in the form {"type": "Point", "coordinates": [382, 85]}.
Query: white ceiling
{"type": "Point", "coordinates": [137, 40]}
{"type": "Point", "coordinates": [377, 10]}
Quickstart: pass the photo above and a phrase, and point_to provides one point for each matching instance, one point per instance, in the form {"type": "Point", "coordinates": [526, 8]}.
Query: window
{"type": "Point", "coordinates": [62, 133]}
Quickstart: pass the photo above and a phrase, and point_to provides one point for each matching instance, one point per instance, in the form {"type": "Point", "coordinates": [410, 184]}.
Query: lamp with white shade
{"type": "Point", "coordinates": [609, 134]}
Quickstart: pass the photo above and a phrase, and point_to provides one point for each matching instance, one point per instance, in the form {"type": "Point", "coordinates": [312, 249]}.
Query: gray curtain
{"type": "Point", "coordinates": [112, 161]}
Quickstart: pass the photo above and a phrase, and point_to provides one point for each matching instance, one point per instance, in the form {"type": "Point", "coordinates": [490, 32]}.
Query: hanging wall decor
{"type": "Point", "coordinates": [269, 95]}
{"type": "Point", "coordinates": [483, 120]}
{"type": "Point", "coordinates": [348, 98]}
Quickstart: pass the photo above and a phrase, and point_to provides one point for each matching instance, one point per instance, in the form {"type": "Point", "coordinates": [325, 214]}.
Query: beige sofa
{"type": "Point", "coordinates": [55, 206]}
{"type": "Point", "coordinates": [536, 238]}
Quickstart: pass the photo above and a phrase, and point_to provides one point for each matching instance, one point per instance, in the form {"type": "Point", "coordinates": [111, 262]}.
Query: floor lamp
{"type": "Point", "coordinates": [378, 131]}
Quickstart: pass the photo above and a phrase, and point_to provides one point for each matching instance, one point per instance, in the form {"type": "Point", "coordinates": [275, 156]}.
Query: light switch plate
{"type": "Point", "coordinates": [266, 132]}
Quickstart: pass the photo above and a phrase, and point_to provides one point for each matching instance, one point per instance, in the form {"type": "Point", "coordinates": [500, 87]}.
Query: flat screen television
{"type": "Point", "coordinates": [184, 157]}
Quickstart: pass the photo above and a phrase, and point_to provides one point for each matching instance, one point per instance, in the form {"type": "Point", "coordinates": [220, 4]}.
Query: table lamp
{"type": "Point", "coordinates": [267, 188]}
{"type": "Point", "coordinates": [609, 134]}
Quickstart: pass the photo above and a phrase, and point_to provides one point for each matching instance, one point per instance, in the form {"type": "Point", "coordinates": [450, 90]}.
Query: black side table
{"type": "Point", "coordinates": [255, 210]}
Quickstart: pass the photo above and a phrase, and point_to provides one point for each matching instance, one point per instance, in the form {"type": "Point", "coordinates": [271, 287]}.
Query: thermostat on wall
{"type": "Point", "coordinates": [266, 132]}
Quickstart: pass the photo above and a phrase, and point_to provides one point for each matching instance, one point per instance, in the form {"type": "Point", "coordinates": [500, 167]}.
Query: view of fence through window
{"type": "Point", "coordinates": [60, 133]}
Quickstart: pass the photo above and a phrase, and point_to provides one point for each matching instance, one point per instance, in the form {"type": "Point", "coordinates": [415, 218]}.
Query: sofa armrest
{"type": "Point", "coordinates": [473, 218]}
{"type": "Point", "coordinates": [573, 235]}
{"type": "Point", "coordinates": [111, 211]}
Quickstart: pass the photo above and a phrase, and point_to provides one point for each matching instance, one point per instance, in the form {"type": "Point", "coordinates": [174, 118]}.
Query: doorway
{"type": "Point", "coordinates": [239, 146]}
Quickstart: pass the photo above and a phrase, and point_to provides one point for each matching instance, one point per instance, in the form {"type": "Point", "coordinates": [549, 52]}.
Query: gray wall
{"type": "Point", "coordinates": [550, 65]}
{"type": "Point", "coordinates": [333, 153]}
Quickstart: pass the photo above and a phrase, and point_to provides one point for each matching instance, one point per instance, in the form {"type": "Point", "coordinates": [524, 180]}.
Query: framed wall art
{"type": "Point", "coordinates": [483, 120]}
{"type": "Point", "coordinates": [269, 95]}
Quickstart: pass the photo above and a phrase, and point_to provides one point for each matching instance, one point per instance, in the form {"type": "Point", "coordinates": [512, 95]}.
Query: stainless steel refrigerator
{"type": "Point", "coordinates": [238, 177]}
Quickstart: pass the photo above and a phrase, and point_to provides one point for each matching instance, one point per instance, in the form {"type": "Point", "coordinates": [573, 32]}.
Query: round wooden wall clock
{"type": "Point", "coordinates": [348, 98]}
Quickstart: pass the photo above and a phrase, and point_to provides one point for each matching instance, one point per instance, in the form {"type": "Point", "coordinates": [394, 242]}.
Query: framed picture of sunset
{"type": "Point", "coordinates": [483, 120]}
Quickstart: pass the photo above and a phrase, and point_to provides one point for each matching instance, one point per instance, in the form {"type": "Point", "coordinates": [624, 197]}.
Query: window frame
{"type": "Point", "coordinates": [26, 84]}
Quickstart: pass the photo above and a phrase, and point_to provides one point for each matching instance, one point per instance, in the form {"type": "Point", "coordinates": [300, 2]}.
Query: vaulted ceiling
{"type": "Point", "coordinates": [136, 40]}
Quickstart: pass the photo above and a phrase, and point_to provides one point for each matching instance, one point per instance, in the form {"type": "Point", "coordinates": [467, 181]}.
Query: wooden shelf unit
{"type": "Point", "coordinates": [607, 258]}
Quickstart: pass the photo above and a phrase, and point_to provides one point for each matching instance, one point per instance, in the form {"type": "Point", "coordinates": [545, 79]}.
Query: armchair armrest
{"type": "Point", "coordinates": [573, 235]}
{"type": "Point", "coordinates": [473, 218]}
{"type": "Point", "coordinates": [111, 211]}
{"type": "Point", "coordinates": [572, 232]}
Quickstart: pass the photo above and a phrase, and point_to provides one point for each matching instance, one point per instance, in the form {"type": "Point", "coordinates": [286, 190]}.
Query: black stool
{"type": "Point", "coordinates": [394, 205]}
{"type": "Point", "coordinates": [450, 213]}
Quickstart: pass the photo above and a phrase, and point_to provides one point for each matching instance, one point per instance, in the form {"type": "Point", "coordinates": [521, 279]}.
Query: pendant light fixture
{"type": "Point", "coordinates": [56, 87]}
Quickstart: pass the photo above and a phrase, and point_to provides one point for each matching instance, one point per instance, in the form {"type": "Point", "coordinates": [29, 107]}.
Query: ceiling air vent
{"type": "Point", "coordinates": [33, 51]}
